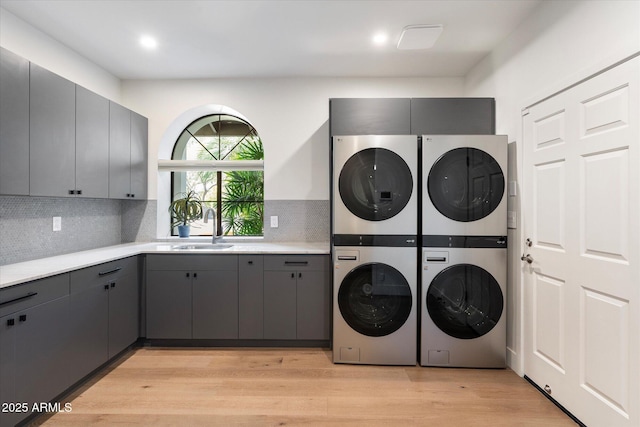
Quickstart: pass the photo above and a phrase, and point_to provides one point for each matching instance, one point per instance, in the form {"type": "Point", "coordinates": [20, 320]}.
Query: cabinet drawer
{"type": "Point", "coordinates": [192, 262]}
{"type": "Point", "coordinates": [296, 262]}
{"type": "Point", "coordinates": [20, 297]}
{"type": "Point", "coordinates": [101, 273]}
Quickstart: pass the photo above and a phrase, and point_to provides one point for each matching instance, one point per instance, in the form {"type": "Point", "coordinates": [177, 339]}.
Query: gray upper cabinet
{"type": "Point", "coordinates": [14, 124]}
{"type": "Point", "coordinates": [139, 137]}
{"type": "Point", "coordinates": [52, 128]}
{"type": "Point", "coordinates": [370, 116]}
{"type": "Point", "coordinates": [127, 154]}
{"type": "Point", "coordinates": [119, 152]}
{"type": "Point", "coordinates": [92, 144]}
{"type": "Point", "coordinates": [412, 116]}
{"type": "Point", "coordinates": [59, 139]}
{"type": "Point", "coordinates": [453, 116]}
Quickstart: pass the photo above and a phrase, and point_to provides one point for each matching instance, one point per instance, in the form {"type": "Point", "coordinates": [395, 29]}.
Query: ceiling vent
{"type": "Point", "coordinates": [419, 36]}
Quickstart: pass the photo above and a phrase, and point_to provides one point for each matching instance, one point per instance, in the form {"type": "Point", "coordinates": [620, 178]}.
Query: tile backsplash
{"type": "Point", "coordinates": [26, 224]}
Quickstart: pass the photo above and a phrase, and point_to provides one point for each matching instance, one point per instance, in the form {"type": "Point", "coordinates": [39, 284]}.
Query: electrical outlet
{"type": "Point", "coordinates": [274, 221]}
{"type": "Point", "coordinates": [57, 223]}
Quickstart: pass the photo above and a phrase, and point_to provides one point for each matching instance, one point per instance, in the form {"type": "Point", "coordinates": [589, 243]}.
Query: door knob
{"type": "Point", "coordinates": [527, 258]}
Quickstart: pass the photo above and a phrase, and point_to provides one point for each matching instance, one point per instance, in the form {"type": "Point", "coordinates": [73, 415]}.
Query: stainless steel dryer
{"type": "Point", "coordinates": [463, 319]}
{"type": "Point", "coordinates": [463, 181]}
{"type": "Point", "coordinates": [374, 305]}
{"type": "Point", "coordinates": [374, 185]}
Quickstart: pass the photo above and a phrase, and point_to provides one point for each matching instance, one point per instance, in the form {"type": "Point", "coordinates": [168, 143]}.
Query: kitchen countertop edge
{"type": "Point", "coordinates": [27, 271]}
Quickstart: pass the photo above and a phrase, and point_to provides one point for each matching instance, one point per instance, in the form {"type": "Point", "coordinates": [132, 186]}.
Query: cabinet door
{"type": "Point", "coordinates": [169, 304]}
{"type": "Point", "coordinates": [8, 369]}
{"type": "Point", "coordinates": [124, 313]}
{"type": "Point", "coordinates": [88, 327]}
{"type": "Point", "coordinates": [250, 295]}
{"type": "Point", "coordinates": [215, 304]}
{"type": "Point", "coordinates": [138, 153]}
{"type": "Point", "coordinates": [14, 124]}
{"type": "Point", "coordinates": [52, 134]}
{"type": "Point", "coordinates": [119, 152]}
{"type": "Point", "coordinates": [370, 116]}
{"type": "Point", "coordinates": [92, 144]}
{"type": "Point", "coordinates": [313, 307]}
{"type": "Point", "coordinates": [280, 305]}
{"type": "Point", "coordinates": [453, 116]}
{"type": "Point", "coordinates": [42, 352]}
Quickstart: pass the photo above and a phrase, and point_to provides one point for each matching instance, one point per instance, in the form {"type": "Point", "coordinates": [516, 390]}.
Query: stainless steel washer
{"type": "Point", "coordinates": [463, 318]}
{"type": "Point", "coordinates": [463, 181]}
{"type": "Point", "coordinates": [374, 305]}
{"type": "Point", "coordinates": [374, 185]}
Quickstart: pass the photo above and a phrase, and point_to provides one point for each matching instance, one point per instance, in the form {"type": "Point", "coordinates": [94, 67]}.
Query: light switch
{"type": "Point", "coordinates": [512, 221]}
{"type": "Point", "coordinates": [513, 188]}
{"type": "Point", "coordinates": [57, 223]}
{"type": "Point", "coordinates": [274, 221]}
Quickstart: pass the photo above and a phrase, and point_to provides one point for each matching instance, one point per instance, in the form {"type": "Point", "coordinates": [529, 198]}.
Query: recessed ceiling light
{"type": "Point", "coordinates": [380, 39]}
{"type": "Point", "coordinates": [148, 42]}
{"type": "Point", "coordinates": [419, 36]}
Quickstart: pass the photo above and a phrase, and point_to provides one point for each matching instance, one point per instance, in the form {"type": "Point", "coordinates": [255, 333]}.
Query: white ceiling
{"type": "Point", "coordinates": [239, 38]}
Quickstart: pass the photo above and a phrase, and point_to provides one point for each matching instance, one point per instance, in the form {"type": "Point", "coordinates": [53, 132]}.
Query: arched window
{"type": "Point", "coordinates": [218, 157]}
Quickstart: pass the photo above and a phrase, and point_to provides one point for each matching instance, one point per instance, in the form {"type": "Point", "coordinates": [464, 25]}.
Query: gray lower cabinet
{"type": "Point", "coordinates": [215, 304]}
{"type": "Point", "coordinates": [127, 153]}
{"type": "Point", "coordinates": [192, 296]}
{"type": "Point", "coordinates": [124, 311]}
{"type": "Point", "coordinates": [14, 124]}
{"type": "Point", "coordinates": [280, 305]}
{"type": "Point", "coordinates": [104, 309]}
{"type": "Point", "coordinates": [169, 304]}
{"type": "Point", "coordinates": [250, 297]}
{"type": "Point", "coordinates": [246, 297]}
{"type": "Point", "coordinates": [296, 297]}
{"type": "Point", "coordinates": [34, 344]}
{"type": "Point", "coordinates": [313, 305]}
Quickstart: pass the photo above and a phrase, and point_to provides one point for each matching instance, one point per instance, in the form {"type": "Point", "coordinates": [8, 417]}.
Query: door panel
{"type": "Point", "coordinates": [581, 162]}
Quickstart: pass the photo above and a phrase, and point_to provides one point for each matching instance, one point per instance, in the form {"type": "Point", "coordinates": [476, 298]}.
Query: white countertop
{"type": "Point", "coordinates": [13, 274]}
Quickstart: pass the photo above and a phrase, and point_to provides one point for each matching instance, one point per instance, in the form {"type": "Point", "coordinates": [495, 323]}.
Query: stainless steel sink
{"type": "Point", "coordinates": [202, 246]}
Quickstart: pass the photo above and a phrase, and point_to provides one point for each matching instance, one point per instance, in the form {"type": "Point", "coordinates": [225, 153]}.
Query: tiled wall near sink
{"type": "Point", "coordinates": [26, 224]}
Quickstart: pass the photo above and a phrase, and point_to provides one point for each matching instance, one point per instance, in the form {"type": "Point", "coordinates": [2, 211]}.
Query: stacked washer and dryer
{"type": "Point", "coordinates": [464, 251]}
{"type": "Point", "coordinates": [375, 224]}
{"type": "Point", "coordinates": [389, 295]}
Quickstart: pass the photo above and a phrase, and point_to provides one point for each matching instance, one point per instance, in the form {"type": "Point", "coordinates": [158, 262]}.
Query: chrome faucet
{"type": "Point", "coordinates": [214, 215]}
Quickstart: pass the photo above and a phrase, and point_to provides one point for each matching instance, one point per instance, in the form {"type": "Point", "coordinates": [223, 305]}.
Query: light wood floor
{"type": "Point", "coordinates": [205, 387]}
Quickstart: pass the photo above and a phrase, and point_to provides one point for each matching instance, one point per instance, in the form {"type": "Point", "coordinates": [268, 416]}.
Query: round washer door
{"type": "Point", "coordinates": [375, 299]}
{"type": "Point", "coordinates": [464, 301]}
{"type": "Point", "coordinates": [375, 184]}
{"type": "Point", "coordinates": [466, 184]}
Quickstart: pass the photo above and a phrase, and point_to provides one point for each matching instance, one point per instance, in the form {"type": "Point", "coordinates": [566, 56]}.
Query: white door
{"type": "Point", "coordinates": [582, 215]}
